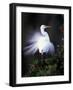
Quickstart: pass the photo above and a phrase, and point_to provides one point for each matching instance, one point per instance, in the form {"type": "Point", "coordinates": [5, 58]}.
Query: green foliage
{"type": "Point", "coordinates": [53, 65]}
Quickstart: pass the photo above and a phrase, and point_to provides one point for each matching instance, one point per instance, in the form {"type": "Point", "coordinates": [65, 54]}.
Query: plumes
{"type": "Point", "coordinates": [40, 42]}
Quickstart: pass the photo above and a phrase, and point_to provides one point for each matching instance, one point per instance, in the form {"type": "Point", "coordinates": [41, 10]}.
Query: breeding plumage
{"type": "Point", "coordinates": [44, 44]}
{"type": "Point", "coordinates": [40, 42]}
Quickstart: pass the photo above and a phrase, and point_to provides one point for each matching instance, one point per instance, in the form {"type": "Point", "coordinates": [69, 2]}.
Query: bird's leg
{"type": "Point", "coordinates": [43, 61]}
{"type": "Point", "coordinates": [42, 58]}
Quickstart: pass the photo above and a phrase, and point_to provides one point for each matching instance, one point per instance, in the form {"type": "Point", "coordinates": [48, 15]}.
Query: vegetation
{"type": "Point", "coordinates": [49, 65]}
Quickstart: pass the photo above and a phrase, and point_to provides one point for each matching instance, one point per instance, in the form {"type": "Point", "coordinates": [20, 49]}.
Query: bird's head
{"type": "Point", "coordinates": [43, 28]}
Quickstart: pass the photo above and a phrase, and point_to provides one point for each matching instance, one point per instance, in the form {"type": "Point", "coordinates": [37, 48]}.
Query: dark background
{"type": "Point", "coordinates": [31, 23]}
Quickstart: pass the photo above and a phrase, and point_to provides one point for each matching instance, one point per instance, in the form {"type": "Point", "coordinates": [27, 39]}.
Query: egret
{"type": "Point", "coordinates": [44, 44]}
{"type": "Point", "coordinates": [40, 42]}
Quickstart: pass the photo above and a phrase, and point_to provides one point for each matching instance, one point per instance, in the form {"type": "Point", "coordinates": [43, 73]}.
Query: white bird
{"type": "Point", "coordinates": [44, 44]}
{"type": "Point", "coordinates": [40, 42]}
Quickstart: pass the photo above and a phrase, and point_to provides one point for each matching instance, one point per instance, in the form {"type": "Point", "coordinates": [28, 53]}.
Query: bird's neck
{"type": "Point", "coordinates": [45, 34]}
